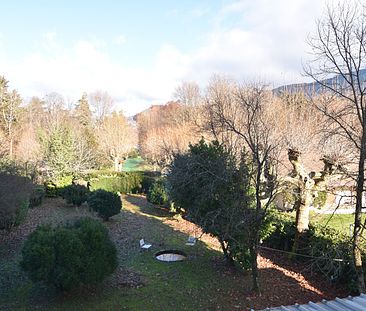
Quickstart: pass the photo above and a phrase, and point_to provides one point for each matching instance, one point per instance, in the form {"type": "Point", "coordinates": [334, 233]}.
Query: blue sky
{"type": "Point", "coordinates": [139, 51]}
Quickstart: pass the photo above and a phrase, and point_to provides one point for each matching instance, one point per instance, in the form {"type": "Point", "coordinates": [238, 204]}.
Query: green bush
{"type": "Point", "coordinates": [332, 252]}
{"type": "Point", "coordinates": [21, 213]}
{"type": "Point", "coordinates": [75, 194]}
{"type": "Point", "coordinates": [105, 203]}
{"type": "Point", "coordinates": [123, 182]}
{"type": "Point", "coordinates": [54, 187]}
{"type": "Point", "coordinates": [15, 192]}
{"type": "Point", "coordinates": [70, 255]}
{"type": "Point", "coordinates": [37, 196]}
{"type": "Point", "coordinates": [281, 231]}
{"type": "Point", "coordinates": [157, 194]}
{"type": "Point", "coordinates": [328, 252]}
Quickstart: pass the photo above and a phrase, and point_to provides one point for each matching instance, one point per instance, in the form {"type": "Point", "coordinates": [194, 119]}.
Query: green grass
{"type": "Point", "coordinates": [340, 222]}
{"type": "Point", "coordinates": [199, 283]}
{"type": "Point", "coordinates": [136, 164]}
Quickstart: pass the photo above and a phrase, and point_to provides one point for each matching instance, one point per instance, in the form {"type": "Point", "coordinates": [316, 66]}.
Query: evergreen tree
{"type": "Point", "coordinates": [82, 112]}
{"type": "Point", "coordinates": [59, 152]}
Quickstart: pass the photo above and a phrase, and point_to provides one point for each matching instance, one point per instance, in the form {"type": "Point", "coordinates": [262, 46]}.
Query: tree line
{"type": "Point", "coordinates": [60, 138]}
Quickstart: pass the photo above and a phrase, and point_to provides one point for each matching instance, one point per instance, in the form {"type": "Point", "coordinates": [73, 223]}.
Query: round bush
{"type": "Point", "coordinates": [105, 203]}
{"type": "Point", "coordinates": [75, 194]}
{"type": "Point", "coordinates": [68, 256]}
{"type": "Point", "coordinates": [157, 193]}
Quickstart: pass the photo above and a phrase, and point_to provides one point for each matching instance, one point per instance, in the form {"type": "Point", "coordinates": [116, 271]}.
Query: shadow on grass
{"type": "Point", "coordinates": [147, 207]}
{"type": "Point", "coordinates": [202, 282]}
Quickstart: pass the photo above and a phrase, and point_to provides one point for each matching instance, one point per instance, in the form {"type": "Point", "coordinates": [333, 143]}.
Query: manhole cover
{"type": "Point", "coordinates": [170, 255]}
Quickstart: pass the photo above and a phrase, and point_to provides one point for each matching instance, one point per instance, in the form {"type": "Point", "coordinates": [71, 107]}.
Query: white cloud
{"type": "Point", "coordinates": [120, 40]}
{"type": "Point", "coordinates": [199, 12]}
{"type": "Point", "coordinates": [85, 68]}
{"type": "Point", "coordinates": [262, 39]}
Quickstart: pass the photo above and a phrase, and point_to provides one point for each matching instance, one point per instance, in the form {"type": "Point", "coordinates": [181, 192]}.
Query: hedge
{"type": "Point", "coordinates": [123, 182]}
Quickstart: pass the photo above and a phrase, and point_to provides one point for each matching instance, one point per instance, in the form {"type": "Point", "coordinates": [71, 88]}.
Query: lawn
{"type": "Point", "coordinates": [340, 222]}
{"type": "Point", "coordinates": [203, 282]}
{"type": "Point", "coordinates": [136, 164]}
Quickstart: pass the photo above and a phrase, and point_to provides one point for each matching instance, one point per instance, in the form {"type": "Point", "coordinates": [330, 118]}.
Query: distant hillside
{"type": "Point", "coordinates": [158, 110]}
{"type": "Point", "coordinates": [314, 87]}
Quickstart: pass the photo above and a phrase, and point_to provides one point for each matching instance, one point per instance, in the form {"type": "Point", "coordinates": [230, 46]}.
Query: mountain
{"type": "Point", "coordinates": [315, 87]}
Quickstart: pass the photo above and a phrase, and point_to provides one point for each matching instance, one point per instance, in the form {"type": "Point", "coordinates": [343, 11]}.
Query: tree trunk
{"type": "Point", "coordinates": [11, 149]}
{"type": "Point", "coordinates": [116, 164]}
{"type": "Point", "coordinates": [303, 202]}
{"type": "Point", "coordinates": [254, 265]}
{"type": "Point", "coordinates": [227, 256]}
{"type": "Point", "coordinates": [357, 228]}
{"type": "Point", "coordinates": [302, 220]}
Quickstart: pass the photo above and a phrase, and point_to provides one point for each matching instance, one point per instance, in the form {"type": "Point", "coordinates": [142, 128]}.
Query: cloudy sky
{"type": "Point", "coordinates": [139, 51]}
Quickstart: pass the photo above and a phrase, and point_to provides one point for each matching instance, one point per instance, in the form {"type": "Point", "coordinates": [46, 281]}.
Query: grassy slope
{"type": "Point", "coordinates": [195, 284]}
{"type": "Point", "coordinates": [337, 221]}
{"type": "Point", "coordinates": [136, 164]}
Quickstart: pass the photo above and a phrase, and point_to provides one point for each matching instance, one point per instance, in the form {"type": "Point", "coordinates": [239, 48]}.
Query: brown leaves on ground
{"type": "Point", "coordinates": [283, 281]}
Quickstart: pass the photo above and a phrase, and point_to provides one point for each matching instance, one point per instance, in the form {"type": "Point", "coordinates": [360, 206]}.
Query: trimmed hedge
{"type": "Point", "coordinates": [123, 182]}
{"type": "Point", "coordinates": [69, 255]}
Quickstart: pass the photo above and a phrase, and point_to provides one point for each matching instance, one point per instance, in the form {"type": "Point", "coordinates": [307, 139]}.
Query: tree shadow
{"type": "Point", "coordinates": [147, 207]}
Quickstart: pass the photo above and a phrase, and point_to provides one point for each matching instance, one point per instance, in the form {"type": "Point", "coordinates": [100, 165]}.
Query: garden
{"type": "Point", "coordinates": [132, 278]}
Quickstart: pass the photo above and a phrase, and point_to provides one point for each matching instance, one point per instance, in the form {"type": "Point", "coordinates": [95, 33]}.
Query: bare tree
{"type": "Point", "coordinates": [244, 111]}
{"type": "Point", "coordinates": [339, 48]}
{"type": "Point", "coordinates": [188, 93]}
{"type": "Point", "coordinates": [116, 138]}
{"type": "Point", "coordinates": [300, 125]}
{"type": "Point", "coordinates": [101, 104]}
{"type": "Point", "coordinates": [55, 111]}
{"type": "Point", "coordinates": [29, 149]}
{"type": "Point", "coordinates": [9, 106]}
{"type": "Point", "coordinates": [165, 130]}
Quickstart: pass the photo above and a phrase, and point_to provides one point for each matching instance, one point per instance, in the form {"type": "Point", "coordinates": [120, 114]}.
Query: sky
{"type": "Point", "coordinates": [139, 51]}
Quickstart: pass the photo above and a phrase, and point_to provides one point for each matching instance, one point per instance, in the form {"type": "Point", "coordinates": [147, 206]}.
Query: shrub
{"type": "Point", "coordinates": [69, 255]}
{"type": "Point", "coordinates": [332, 252]}
{"type": "Point", "coordinates": [37, 196]}
{"type": "Point", "coordinates": [54, 187]}
{"type": "Point", "coordinates": [75, 194]}
{"type": "Point", "coordinates": [123, 182]}
{"type": "Point", "coordinates": [281, 231]}
{"type": "Point", "coordinates": [106, 204]}
{"type": "Point", "coordinates": [14, 199]}
{"type": "Point", "coordinates": [157, 194]}
{"type": "Point", "coordinates": [329, 251]}
{"type": "Point", "coordinates": [50, 189]}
